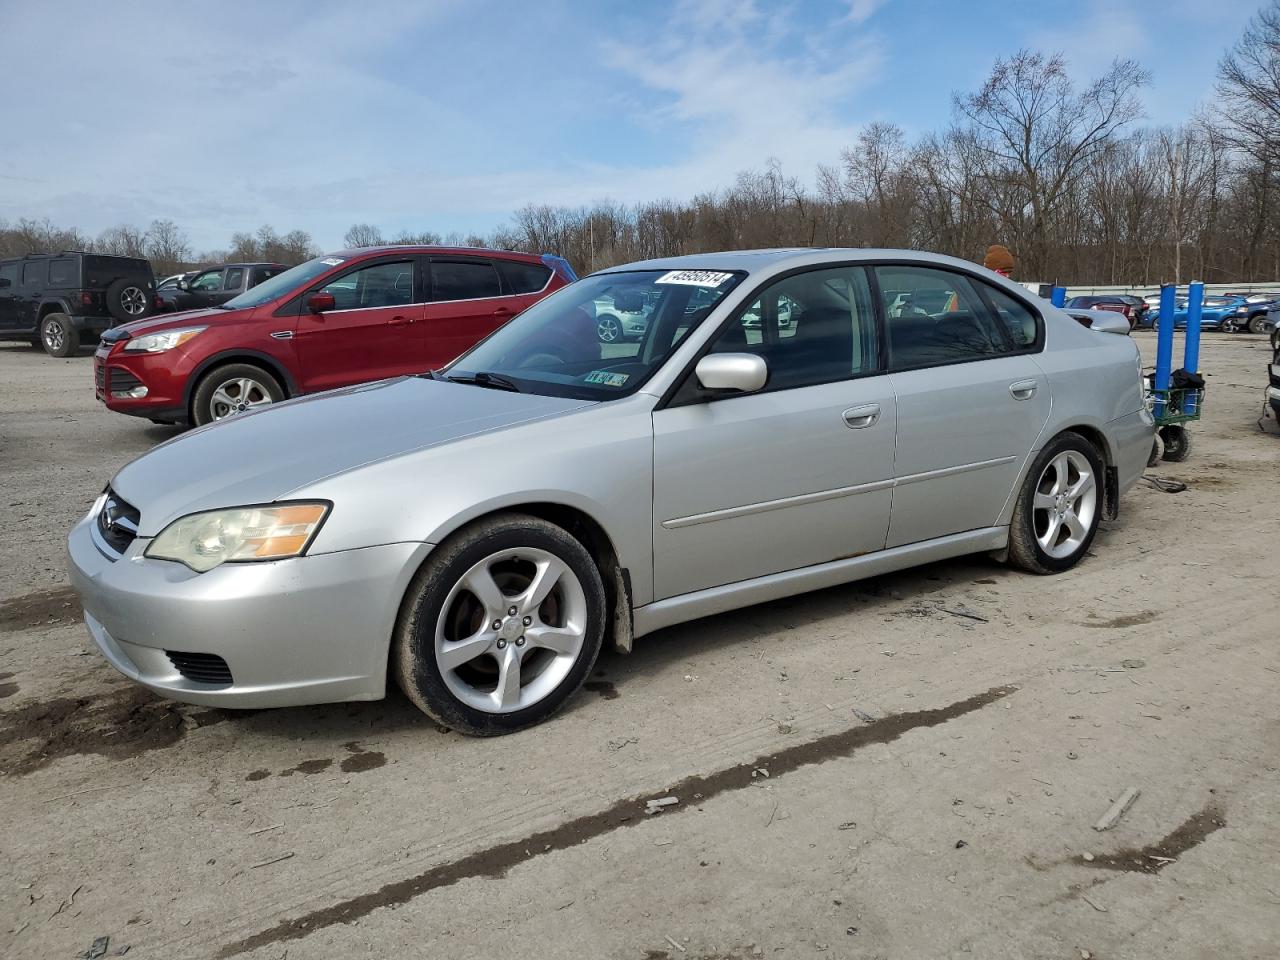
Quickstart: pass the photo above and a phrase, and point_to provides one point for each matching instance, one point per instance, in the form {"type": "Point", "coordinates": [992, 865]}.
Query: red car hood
{"type": "Point", "coordinates": [187, 318]}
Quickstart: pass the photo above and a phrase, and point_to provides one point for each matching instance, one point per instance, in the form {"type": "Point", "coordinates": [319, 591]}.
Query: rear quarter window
{"type": "Point", "coordinates": [524, 277]}
{"type": "Point", "coordinates": [64, 272]}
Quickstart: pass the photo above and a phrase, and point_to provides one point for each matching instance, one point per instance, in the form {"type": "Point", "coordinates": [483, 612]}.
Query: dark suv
{"type": "Point", "coordinates": [216, 285]}
{"type": "Point", "coordinates": [55, 300]}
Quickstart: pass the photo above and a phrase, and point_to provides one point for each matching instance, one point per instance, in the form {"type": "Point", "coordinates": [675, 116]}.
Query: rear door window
{"type": "Point", "coordinates": [35, 273]}
{"type": "Point", "coordinates": [936, 317]}
{"type": "Point", "coordinates": [1018, 322]}
{"type": "Point", "coordinates": [464, 280]}
{"type": "Point", "coordinates": [524, 277]}
{"type": "Point", "coordinates": [258, 274]}
{"type": "Point", "coordinates": [233, 279]}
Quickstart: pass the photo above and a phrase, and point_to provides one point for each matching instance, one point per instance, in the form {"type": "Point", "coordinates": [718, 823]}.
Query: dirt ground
{"type": "Point", "coordinates": [861, 772]}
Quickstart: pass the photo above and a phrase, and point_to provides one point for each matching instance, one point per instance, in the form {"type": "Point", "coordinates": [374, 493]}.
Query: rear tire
{"type": "Point", "coordinates": [1059, 506]}
{"type": "Point", "coordinates": [466, 659]}
{"type": "Point", "coordinates": [228, 390]}
{"type": "Point", "coordinates": [58, 337]}
{"type": "Point", "coordinates": [1258, 323]}
{"type": "Point", "coordinates": [129, 300]}
{"type": "Point", "coordinates": [1177, 443]}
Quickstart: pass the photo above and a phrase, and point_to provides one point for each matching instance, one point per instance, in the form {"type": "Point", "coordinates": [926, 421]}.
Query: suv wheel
{"type": "Point", "coordinates": [1258, 323]}
{"type": "Point", "coordinates": [1059, 507]}
{"type": "Point", "coordinates": [1229, 325]}
{"type": "Point", "coordinates": [58, 337]}
{"type": "Point", "coordinates": [235, 388]}
{"type": "Point", "coordinates": [128, 300]}
{"type": "Point", "coordinates": [500, 626]}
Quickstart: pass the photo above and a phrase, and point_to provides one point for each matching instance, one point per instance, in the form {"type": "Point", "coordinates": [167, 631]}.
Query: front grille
{"type": "Point", "coordinates": [118, 522]}
{"type": "Point", "coordinates": [201, 667]}
{"type": "Point", "coordinates": [99, 376]}
{"type": "Point", "coordinates": [122, 381]}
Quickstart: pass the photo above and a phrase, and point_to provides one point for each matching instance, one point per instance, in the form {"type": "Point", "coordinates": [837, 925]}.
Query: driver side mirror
{"type": "Point", "coordinates": [320, 302]}
{"type": "Point", "coordinates": [732, 373]}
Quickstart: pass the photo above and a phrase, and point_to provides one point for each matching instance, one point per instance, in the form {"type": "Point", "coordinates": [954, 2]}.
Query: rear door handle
{"type": "Point", "coordinates": [1022, 389]}
{"type": "Point", "coordinates": [856, 418]}
{"type": "Point", "coordinates": [399, 321]}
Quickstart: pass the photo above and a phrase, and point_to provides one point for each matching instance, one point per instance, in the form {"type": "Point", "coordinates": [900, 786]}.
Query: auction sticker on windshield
{"type": "Point", "coordinates": [332, 261]}
{"type": "Point", "coordinates": [607, 379]}
{"type": "Point", "coordinates": [695, 278]}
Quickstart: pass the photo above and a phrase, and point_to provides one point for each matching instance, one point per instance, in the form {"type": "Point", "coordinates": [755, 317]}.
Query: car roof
{"type": "Point", "coordinates": [785, 258]}
{"type": "Point", "coordinates": [435, 249]}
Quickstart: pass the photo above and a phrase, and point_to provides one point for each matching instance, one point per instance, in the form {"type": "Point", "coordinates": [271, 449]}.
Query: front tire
{"type": "Point", "coordinates": [1059, 507]}
{"type": "Point", "coordinates": [232, 389]}
{"type": "Point", "coordinates": [1228, 325]}
{"type": "Point", "coordinates": [501, 626]}
{"type": "Point", "coordinates": [1258, 323]}
{"type": "Point", "coordinates": [58, 337]}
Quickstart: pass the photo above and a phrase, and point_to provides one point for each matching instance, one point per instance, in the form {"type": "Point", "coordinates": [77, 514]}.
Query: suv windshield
{"type": "Point", "coordinates": [572, 344]}
{"type": "Point", "coordinates": [282, 283]}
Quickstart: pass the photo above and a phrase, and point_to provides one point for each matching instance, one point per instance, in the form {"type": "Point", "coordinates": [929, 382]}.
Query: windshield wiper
{"type": "Point", "coordinates": [494, 381]}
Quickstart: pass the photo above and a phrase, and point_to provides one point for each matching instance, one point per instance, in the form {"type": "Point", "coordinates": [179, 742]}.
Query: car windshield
{"type": "Point", "coordinates": [282, 283]}
{"type": "Point", "coordinates": [599, 338]}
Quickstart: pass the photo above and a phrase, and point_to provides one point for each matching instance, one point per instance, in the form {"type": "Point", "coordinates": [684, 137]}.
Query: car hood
{"type": "Point", "coordinates": [265, 455]}
{"type": "Point", "coordinates": [184, 318]}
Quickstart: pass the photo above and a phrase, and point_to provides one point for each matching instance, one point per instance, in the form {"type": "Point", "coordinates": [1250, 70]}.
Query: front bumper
{"type": "Point", "coordinates": [311, 629]}
{"type": "Point", "coordinates": [140, 384]}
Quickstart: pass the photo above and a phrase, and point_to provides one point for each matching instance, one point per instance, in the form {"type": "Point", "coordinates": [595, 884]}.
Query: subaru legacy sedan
{"type": "Point", "coordinates": [479, 532]}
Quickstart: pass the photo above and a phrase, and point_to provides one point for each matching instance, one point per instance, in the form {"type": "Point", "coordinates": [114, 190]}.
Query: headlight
{"type": "Point", "coordinates": [202, 541]}
{"type": "Point", "coordinates": [160, 342]}
{"type": "Point", "coordinates": [1242, 309]}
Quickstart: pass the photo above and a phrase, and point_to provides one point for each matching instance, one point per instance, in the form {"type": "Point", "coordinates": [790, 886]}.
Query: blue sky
{"type": "Point", "coordinates": [449, 115]}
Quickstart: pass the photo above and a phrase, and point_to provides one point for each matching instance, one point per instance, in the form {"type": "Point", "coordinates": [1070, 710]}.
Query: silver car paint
{"type": "Point", "coordinates": [409, 461]}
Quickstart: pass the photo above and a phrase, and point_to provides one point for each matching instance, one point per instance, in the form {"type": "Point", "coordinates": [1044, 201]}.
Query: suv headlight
{"type": "Point", "coordinates": [202, 541]}
{"type": "Point", "coordinates": [160, 342]}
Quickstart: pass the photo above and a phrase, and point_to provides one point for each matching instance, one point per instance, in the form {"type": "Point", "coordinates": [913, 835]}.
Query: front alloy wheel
{"type": "Point", "coordinates": [1229, 325]}
{"type": "Point", "coordinates": [608, 329]}
{"type": "Point", "coordinates": [501, 625]}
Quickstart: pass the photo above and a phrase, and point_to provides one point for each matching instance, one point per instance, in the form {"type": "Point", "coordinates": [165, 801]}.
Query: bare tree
{"type": "Point", "coordinates": [363, 235]}
{"type": "Point", "coordinates": [167, 247]}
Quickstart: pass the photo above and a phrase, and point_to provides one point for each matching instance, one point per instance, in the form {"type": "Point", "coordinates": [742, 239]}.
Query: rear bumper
{"type": "Point", "coordinates": [312, 629]}
{"type": "Point", "coordinates": [92, 324]}
{"type": "Point", "coordinates": [1131, 437]}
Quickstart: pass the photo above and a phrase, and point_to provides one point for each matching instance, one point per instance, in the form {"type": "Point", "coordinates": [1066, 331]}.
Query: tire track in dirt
{"type": "Point", "coordinates": [495, 861]}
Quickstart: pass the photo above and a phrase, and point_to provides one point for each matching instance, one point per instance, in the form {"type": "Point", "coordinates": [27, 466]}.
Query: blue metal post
{"type": "Point", "coordinates": [1058, 296]}
{"type": "Point", "coordinates": [1191, 356]}
{"type": "Point", "coordinates": [1164, 340]}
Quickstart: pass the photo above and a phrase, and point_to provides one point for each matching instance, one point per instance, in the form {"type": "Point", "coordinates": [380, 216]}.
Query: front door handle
{"type": "Point", "coordinates": [1022, 389]}
{"type": "Point", "coordinates": [856, 418]}
{"type": "Point", "coordinates": [399, 321]}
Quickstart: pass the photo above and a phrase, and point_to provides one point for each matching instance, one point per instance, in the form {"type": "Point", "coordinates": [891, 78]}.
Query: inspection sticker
{"type": "Point", "coordinates": [695, 278]}
{"type": "Point", "coordinates": [607, 379]}
{"type": "Point", "coordinates": [332, 261]}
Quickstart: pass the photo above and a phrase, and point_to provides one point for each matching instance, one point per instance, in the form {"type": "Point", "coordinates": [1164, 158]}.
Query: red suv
{"type": "Point", "coordinates": [346, 318]}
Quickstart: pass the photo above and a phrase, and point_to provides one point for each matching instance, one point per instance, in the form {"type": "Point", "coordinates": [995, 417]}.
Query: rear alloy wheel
{"type": "Point", "coordinates": [58, 337]}
{"type": "Point", "coordinates": [1059, 507]}
{"type": "Point", "coordinates": [128, 300]}
{"type": "Point", "coordinates": [608, 329]}
{"type": "Point", "coordinates": [1258, 323]}
{"type": "Point", "coordinates": [231, 390]}
{"type": "Point", "coordinates": [501, 626]}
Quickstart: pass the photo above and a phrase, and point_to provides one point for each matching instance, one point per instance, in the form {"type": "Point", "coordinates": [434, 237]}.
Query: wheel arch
{"type": "Point", "coordinates": [253, 357]}
{"type": "Point", "coordinates": [1111, 475]}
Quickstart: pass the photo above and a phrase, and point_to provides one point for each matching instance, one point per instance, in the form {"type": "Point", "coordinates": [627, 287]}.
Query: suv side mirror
{"type": "Point", "coordinates": [732, 372]}
{"type": "Point", "coordinates": [320, 302]}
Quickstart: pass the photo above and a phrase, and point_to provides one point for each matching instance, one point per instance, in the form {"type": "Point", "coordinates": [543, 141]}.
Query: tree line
{"type": "Point", "coordinates": [1060, 173]}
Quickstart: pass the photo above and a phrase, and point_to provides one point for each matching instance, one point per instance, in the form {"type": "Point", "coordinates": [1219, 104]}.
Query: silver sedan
{"type": "Point", "coordinates": [480, 532]}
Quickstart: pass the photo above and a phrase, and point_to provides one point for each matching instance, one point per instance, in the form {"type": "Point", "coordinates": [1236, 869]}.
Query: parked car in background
{"type": "Point", "coordinates": [57, 300]}
{"type": "Point", "coordinates": [621, 316]}
{"type": "Point", "coordinates": [214, 285]}
{"type": "Point", "coordinates": [1228, 314]}
{"type": "Point", "coordinates": [342, 319]}
{"type": "Point", "coordinates": [479, 534]}
{"type": "Point", "coordinates": [1253, 315]}
{"type": "Point", "coordinates": [1104, 321]}
{"type": "Point", "coordinates": [171, 282]}
{"type": "Point", "coordinates": [1134, 309]}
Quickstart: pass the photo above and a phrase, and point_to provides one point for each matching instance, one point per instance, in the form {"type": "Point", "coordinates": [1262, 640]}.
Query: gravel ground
{"type": "Point", "coordinates": [860, 772]}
